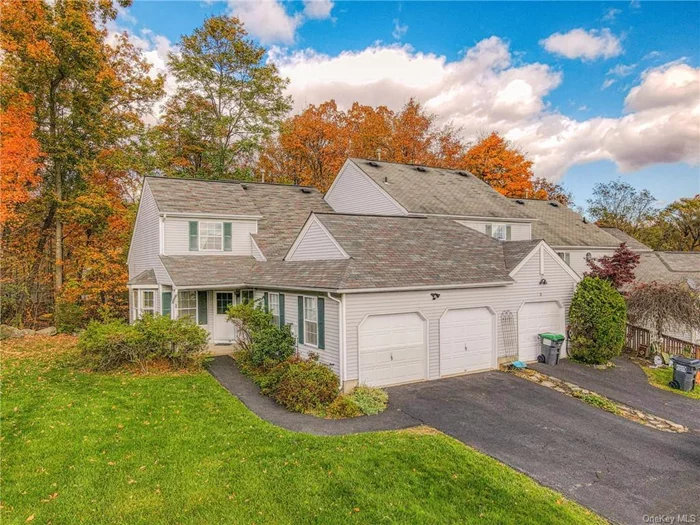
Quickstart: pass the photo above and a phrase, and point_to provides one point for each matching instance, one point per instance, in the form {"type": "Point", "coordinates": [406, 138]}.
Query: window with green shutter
{"type": "Point", "coordinates": [194, 236]}
{"type": "Point", "coordinates": [166, 303]}
{"type": "Point", "coordinates": [228, 242]}
{"type": "Point", "coordinates": [282, 321]}
{"type": "Point", "coordinates": [300, 316]}
{"type": "Point", "coordinates": [508, 232]}
{"type": "Point", "coordinates": [489, 230]}
{"type": "Point", "coordinates": [321, 323]}
{"type": "Point", "coordinates": [202, 307]}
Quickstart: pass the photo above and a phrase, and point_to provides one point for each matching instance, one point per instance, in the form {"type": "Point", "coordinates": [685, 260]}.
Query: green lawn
{"type": "Point", "coordinates": [661, 377]}
{"type": "Point", "coordinates": [81, 447]}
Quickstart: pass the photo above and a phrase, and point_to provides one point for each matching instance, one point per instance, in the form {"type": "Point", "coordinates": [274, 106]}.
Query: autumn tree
{"type": "Point", "coordinates": [678, 226]}
{"type": "Point", "coordinates": [617, 268]}
{"type": "Point", "coordinates": [543, 189]}
{"type": "Point", "coordinates": [620, 205]}
{"type": "Point", "coordinates": [228, 101]}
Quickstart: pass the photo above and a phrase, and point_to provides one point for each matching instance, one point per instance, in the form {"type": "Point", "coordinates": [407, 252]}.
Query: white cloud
{"type": "Point", "coordinates": [318, 9]}
{"type": "Point", "coordinates": [622, 70]}
{"type": "Point", "coordinates": [586, 45]}
{"type": "Point", "coordinates": [611, 14]}
{"type": "Point", "coordinates": [267, 20]}
{"type": "Point", "coordinates": [485, 90]}
{"type": "Point", "coordinates": [607, 83]}
{"type": "Point", "coordinates": [399, 30]}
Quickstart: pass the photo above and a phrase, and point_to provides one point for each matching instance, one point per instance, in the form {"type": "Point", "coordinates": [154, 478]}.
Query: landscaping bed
{"type": "Point", "coordinates": [661, 377]}
{"type": "Point", "coordinates": [92, 447]}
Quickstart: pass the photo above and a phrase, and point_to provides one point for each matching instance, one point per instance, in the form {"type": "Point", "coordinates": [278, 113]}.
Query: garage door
{"type": "Point", "coordinates": [392, 349]}
{"type": "Point", "coordinates": [533, 319]}
{"type": "Point", "coordinates": [466, 340]}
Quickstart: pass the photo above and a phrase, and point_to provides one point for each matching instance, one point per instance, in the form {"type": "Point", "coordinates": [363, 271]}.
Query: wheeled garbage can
{"type": "Point", "coordinates": [684, 372]}
{"type": "Point", "coordinates": [550, 347]}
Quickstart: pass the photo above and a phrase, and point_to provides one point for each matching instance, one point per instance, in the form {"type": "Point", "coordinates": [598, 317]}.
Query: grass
{"type": "Point", "coordinates": [82, 447]}
{"type": "Point", "coordinates": [661, 377]}
{"type": "Point", "coordinates": [598, 401]}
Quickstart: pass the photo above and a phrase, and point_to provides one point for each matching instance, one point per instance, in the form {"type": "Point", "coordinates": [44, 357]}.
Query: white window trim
{"type": "Point", "coordinates": [240, 296]}
{"type": "Point", "coordinates": [269, 305]}
{"type": "Point", "coordinates": [306, 340]}
{"type": "Point", "coordinates": [143, 310]}
{"type": "Point", "coordinates": [216, 300]}
{"type": "Point", "coordinates": [196, 305]}
{"type": "Point", "coordinates": [199, 236]}
{"type": "Point", "coordinates": [496, 225]}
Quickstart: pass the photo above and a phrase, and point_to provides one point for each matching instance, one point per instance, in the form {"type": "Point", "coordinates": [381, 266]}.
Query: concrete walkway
{"type": "Point", "coordinates": [627, 383]}
{"type": "Point", "coordinates": [224, 369]}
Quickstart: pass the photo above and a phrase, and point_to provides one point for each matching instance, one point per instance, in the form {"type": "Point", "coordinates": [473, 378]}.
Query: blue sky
{"type": "Point", "coordinates": [593, 91]}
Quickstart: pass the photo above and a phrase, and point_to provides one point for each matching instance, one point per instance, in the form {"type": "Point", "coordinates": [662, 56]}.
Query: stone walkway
{"type": "Point", "coordinates": [224, 369]}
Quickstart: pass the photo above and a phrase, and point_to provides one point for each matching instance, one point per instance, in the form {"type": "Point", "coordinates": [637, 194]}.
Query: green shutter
{"type": "Point", "coordinates": [508, 232]}
{"type": "Point", "coordinates": [228, 246]}
{"type": "Point", "coordinates": [166, 300]}
{"type": "Point", "coordinates": [202, 307]}
{"type": "Point", "coordinates": [265, 302]}
{"type": "Point", "coordinates": [194, 236]}
{"type": "Point", "coordinates": [489, 230]}
{"type": "Point", "coordinates": [300, 314]}
{"type": "Point", "coordinates": [321, 323]}
{"type": "Point", "coordinates": [281, 302]}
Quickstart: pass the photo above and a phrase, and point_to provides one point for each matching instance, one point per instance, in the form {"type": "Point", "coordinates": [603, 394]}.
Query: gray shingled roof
{"type": "Point", "coordinates": [561, 226]}
{"type": "Point", "coordinates": [515, 251]}
{"type": "Point", "coordinates": [208, 270]}
{"type": "Point", "coordinates": [440, 191]}
{"type": "Point", "coordinates": [144, 278]}
{"type": "Point", "coordinates": [632, 243]}
{"type": "Point", "coordinates": [283, 208]}
{"type": "Point", "coordinates": [668, 267]}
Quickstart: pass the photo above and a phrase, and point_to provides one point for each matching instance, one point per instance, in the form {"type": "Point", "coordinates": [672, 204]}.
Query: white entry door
{"type": "Point", "coordinates": [533, 319]}
{"type": "Point", "coordinates": [466, 341]}
{"type": "Point", "coordinates": [224, 331]}
{"type": "Point", "coordinates": [392, 349]}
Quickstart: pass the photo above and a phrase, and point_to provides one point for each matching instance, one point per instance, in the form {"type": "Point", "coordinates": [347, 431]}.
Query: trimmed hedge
{"type": "Point", "coordinates": [597, 319]}
{"type": "Point", "coordinates": [307, 386]}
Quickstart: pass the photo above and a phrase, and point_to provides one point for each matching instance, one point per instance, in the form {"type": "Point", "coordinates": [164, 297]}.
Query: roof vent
{"type": "Point", "coordinates": [463, 174]}
{"type": "Point", "coordinates": [520, 201]}
{"type": "Point", "coordinates": [306, 190]}
{"type": "Point", "coordinates": [373, 164]}
{"type": "Point", "coordinates": [421, 169]}
{"type": "Point", "coordinates": [386, 180]}
{"type": "Point", "coordinates": [244, 186]}
{"type": "Point", "coordinates": [585, 221]}
{"type": "Point", "coordinates": [554, 204]}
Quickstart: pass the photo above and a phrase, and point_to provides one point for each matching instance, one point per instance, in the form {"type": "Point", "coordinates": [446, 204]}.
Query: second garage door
{"type": "Point", "coordinates": [466, 340]}
{"type": "Point", "coordinates": [533, 319]}
{"type": "Point", "coordinates": [392, 349]}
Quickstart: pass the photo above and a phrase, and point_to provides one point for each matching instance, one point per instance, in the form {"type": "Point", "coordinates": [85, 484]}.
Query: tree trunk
{"type": "Point", "coordinates": [58, 188]}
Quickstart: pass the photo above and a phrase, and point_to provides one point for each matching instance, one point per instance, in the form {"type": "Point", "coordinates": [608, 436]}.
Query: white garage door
{"type": "Point", "coordinates": [533, 319]}
{"type": "Point", "coordinates": [392, 349]}
{"type": "Point", "coordinates": [466, 340]}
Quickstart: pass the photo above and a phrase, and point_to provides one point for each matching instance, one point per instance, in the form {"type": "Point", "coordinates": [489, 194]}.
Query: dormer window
{"type": "Point", "coordinates": [211, 236]}
{"type": "Point", "coordinates": [501, 232]}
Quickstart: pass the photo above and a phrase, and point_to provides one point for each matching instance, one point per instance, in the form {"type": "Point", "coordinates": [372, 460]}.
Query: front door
{"type": "Point", "coordinates": [224, 331]}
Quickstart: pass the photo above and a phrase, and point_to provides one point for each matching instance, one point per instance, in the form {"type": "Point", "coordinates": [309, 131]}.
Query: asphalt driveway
{"type": "Point", "coordinates": [618, 468]}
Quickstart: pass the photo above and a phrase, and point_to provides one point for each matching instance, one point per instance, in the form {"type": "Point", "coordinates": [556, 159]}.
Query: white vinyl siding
{"type": "Point", "coordinates": [355, 192]}
{"type": "Point", "coordinates": [560, 286]}
{"type": "Point", "coordinates": [145, 243]}
{"type": "Point", "coordinates": [187, 305]}
{"type": "Point", "coordinates": [316, 245]}
{"type": "Point", "coordinates": [177, 237]}
{"type": "Point", "coordinates": [519, 231]}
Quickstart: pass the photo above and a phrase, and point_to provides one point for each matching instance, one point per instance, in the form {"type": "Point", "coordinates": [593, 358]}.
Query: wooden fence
{"type": "Point", "coordinates": [637, 337]}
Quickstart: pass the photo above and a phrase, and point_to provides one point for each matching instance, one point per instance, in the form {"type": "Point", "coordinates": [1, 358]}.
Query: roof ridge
{"type": "Point", "coordinates": [230, 181]}
{"type": "Point", "coordinates": [415, 165]}
{"type": "Point", "coordinates": [377, 215]}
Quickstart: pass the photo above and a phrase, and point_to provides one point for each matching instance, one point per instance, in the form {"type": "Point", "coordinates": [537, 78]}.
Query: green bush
{"type": "Point", "coordinates": [271, 345]}
{"type": "Point", "coordinates": [306, 386]}
{"type": "Point", "coordinates": [68, 318]}
{"type": "Point", "coordinates": [343, 407]}
{"type": "Point", "coordinates": [597, 321]}
{"type": "Point", "coordinates": [249, 319]}
{"type": "Point", "coordinates": [369, 400]}
{"type": "Point", "coordinates": [115, 343]}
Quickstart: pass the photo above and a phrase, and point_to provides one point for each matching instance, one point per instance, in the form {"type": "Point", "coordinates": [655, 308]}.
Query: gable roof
{"type": "Point", "coordinates": [207, 270]}
{"type": "Point", "coordinates": [439, 191]}
{"type": "Point", "coordinates": [632, 243]}
{"type": "Point", "coordinates": [561, 226]}
{"type": "Point", "coordinates": [281, 209]}
{"type": "Point", "coordinates": [668, 267]}
{"type": "Point", "coordinates": [516, 251]}
{"type": "Point", "coordinates": [146, 277]}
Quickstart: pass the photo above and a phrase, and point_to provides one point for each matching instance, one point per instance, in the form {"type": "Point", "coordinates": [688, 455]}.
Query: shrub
{"type": "Point", "coordinates": [343, 407]}
{"type": "Point", "coordinates": [306, 386]}
{"type": "Point", "coordinates": [597, 320]}
{"type": "Point", "coordinates": [369, 400]}
{"type": "Point", "coordinates": [249, 319]}
{"type": "Point", "coordinates": [68, 318]}
{"type": "Point", "coordinates": [115, 343]}
{"type": "Point", "coordinates": [271, 345]}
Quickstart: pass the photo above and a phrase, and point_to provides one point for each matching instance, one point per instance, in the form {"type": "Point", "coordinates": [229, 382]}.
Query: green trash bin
{"type": "Point", "coordinates": [550, 347]}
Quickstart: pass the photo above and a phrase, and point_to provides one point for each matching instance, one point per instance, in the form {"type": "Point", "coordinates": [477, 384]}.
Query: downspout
{"type": "Point", "coordinates": [341, 334]}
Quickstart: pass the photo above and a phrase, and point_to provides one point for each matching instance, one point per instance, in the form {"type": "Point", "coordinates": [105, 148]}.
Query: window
{"type": "Point", "coordinates": [135, 304]}
{"type": "Point", "coordinates": [247, 296]}
{"type": "Point", "coordinates": [310, 321]}
{"type": "Point", "coordinates": [187, 305]}
{"type": "Point", "coordinates": [148, 304]}
{"type": "Point", "coordinates": [211, 236]}
{"type": "Point", "coordinates": [589, 256]}
{"type": "Point", "coordinates": [273, 303]}
{"type": "Point", "coordinates": [499, 232]}
{"type": "Point", "coordinates": [566, 256]}
{"type": "Point", "coordinates": [223, 301]}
